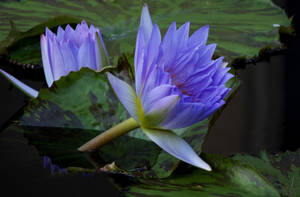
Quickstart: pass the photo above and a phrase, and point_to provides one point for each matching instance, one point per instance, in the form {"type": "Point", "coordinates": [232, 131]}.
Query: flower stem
{"type": "Point", "coordinates": [109, 135]}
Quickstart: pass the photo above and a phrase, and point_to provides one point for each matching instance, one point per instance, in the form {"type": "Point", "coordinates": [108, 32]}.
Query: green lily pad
{"type": "Point", "coordinates": [81, 100]}
{"type": "Point", "coordinates": [282, 170]}
{"type": "Point", "coordinates": [240, 28]}
{"type": "Point", "coordinates": [24, 47]}
{"type": "Point", "coordinates": [82, 105]}
{"type": "Point", "coordinates": [229, 178]}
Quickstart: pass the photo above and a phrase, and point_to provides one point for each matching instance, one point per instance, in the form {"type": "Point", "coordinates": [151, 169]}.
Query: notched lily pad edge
{"type": "Point", "coordinates": [286, 34]}
{"type": "Point", "coordinates": [239, 62]}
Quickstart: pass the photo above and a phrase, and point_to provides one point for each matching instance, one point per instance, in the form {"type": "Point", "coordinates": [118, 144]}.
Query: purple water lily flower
{"type": "Point", "coordinates": [177, 84]}
{"type": "Point", "coordinates": [67, 51]}
{"type": "Point", "coordinates": [71, 50]}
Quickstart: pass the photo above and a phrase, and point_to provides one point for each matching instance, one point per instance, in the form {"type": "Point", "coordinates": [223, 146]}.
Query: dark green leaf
{"type": "Point", "coordinates": [282, 170]}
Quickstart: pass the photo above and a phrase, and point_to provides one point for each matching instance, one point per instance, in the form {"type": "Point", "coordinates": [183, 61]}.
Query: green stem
{"type": "Point", "coordinates": [109, 135]}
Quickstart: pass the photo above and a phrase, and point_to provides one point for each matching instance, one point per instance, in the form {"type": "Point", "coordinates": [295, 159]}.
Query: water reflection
{"type": "Point", "coordinates": [54, 168]}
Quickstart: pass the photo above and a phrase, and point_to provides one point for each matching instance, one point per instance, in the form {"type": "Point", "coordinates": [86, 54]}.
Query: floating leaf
{"type": "Point", "coordinates": [228, 178]}
{"type": "Point", "coordinates": [240, 28]}
{"type": "Point", "coordinates": [282, 170]}
{"type": "Point", "coordinates": [74, 110]}
{"type": "Point", "coordinates": [81, 100]}
{"type": "Point", "coordinates": [24, 47]}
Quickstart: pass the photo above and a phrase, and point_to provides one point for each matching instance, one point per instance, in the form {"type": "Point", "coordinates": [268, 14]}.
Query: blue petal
{"type": "Point", "coordinates": [156, 78]}
{"type": "Point", "coordinates": [156, 94]}
{"type": "Point", "coordinates": [205, 59]}
{"type": "Point", "coordinates": [60, 34]}
{"type": "Point", "coordinates": [49, 34]}
{"type": "Point", "coordinates": [69, 33]}
{"type": "Point", "coordinates": [199, 36]}
{"type": "Point", "coordinates": [46, 61]}
{"type": "Point", "coordinates": [169, 47]}
{"type": "Point", "coordinates": [139, 60]}
{"type": "Point", "coordinates": [86, 54]}
{"type": "Point", "coordinates": [212, 94]}
{"type": "Point", "coordinates": [70, 62]}
{"type": "Point", "coordinates": [26, 89]}
{"type": "Point", "coordinates": [184, 115]}
{"type": "Point", "coordinates": [158, 111]}
{"type": "Point", "coordinates": [226, 78]}
{"type": "Point", "coordinates": [56, 59]}
{"type": "Point", "coordinates": [176, 146]}
{"type": "Point", "coordinates": [151, 54]}
{"type": "Point", "coordinates": [146, 23]}
{"type": "Point", "coordinates": [125, 94]}
{"type": "Point", "coordinates": [183, 36]}
{"type": "Point", "coordinates": [185, 65]}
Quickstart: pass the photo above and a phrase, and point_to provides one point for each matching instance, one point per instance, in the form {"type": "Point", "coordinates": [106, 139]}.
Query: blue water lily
{"type": "Point", "coordinates": [177, 84]}
{"type": "Point", "coordinates": [68, 50]}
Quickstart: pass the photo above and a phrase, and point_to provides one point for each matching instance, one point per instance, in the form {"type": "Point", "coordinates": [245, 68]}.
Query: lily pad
{"type": "Point", "coordinates": [240, 28]}
{"type": "Point", "coordinates": [82, 105]}
{"type": "Point", "coordinates": [74, 110]}
{"type": "Point", "coordinates": [229, 178]}
{"type": "Point", "coordinates": [24, 47]}
{"type": "Point", "coordinates": [282, 170]}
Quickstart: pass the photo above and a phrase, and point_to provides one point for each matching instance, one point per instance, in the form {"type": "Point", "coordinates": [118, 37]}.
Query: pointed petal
{"type": "Point", "coordinates": [69, 33]}
{"type": "Point", "coordinates": [183, 36]}
{"type": "Point", "coordinates": [125, 94]}
{"type": "Point", "coordinates": [70, 62]}
{"type": "Point", "coordinates": [184, 115]}
{"type": "Point", "coordinates": [153, 48]}
{"type": "Point", "coordinates": [156, 78]}
{"type": "Point", "coordinates": [49, 33]}
{"type": "Point", "coordinates": [157, 93]}
{"type": "Point", "coordinates": [60, 34]}
{"type": "Point", "coordinates": [25, 88]}
{"type": "Point", "coordinates": [139, 59]}
{"type": "Point", "coordinates": [56, 59]}
{"type": "Point", "coordinates": [151, 54]}
{"type": "Point", "coordinates": [206, 56]}
{"type": "Point", "coordinates": [169, 46]}
{"type": "Point", "coordinates": [176, 146]}
{"type": "Point", "coordinates": [100, 52]}
{"type": "Point", "coordinates": [199, 36]}
{"type": "Point", "coordinates": [146, 23]}
{"type": "Point", "coordinates": [46, 61]}
{"type": "Point", "coordinates": [86, 54]}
